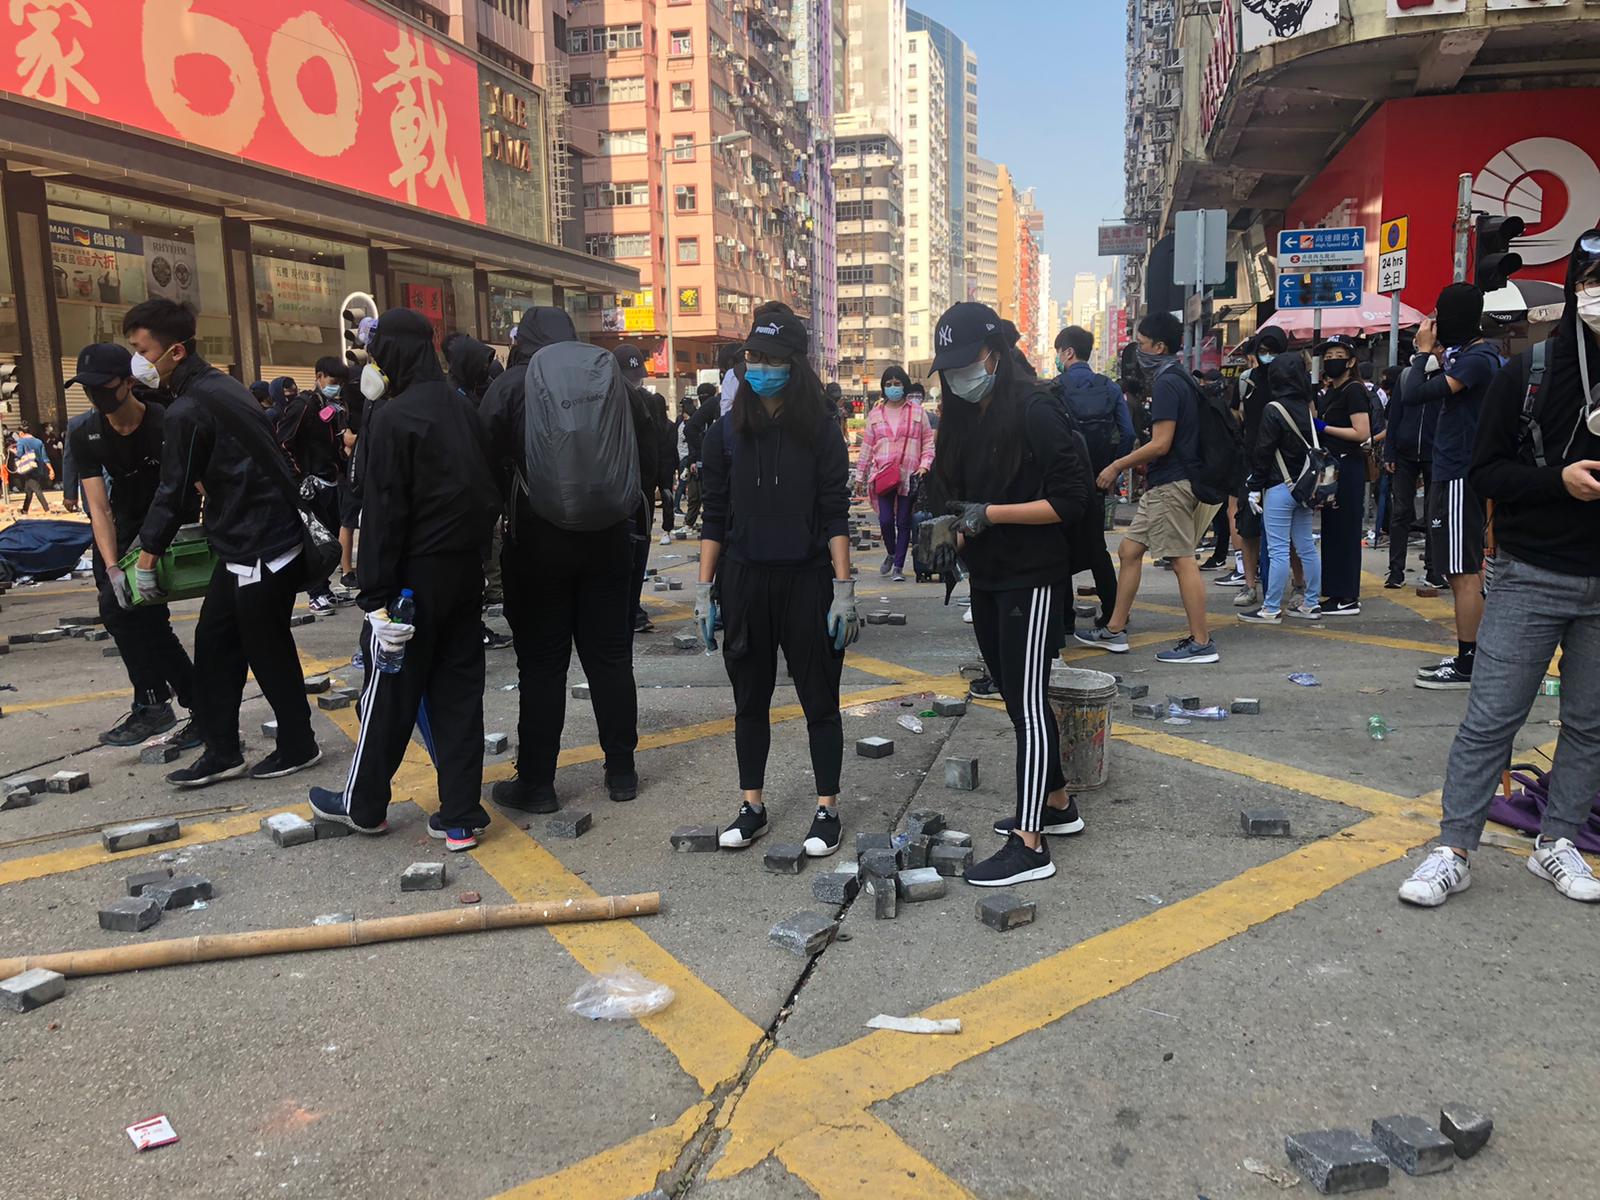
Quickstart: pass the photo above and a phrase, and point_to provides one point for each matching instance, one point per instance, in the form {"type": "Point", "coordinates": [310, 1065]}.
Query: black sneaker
{"type": "Point", "coordinates": [348, 581]}
{"type": "Point", "coordinates": [1342, 608]}
{"type": "Point", "coordinates": [750, 824]}
{"type": "Point", "coordinates": [1058, 822]}
{"type": "Point", "coordinates": [143, 722]}
{"type": "Point", "coordinates": [495, 641]}
{"type": "Point", "coordinates": [188, 737]}
{"type": "Point", "coordinates": [280, 763]}
{"type": "Point", "coordinates": [826, 829]}
{"type": "Point", "coordinates": [209, 768]}
{"type": "Point", "coordinates": [1433, 585]}
{"type": "Point", "coordinates": [1012, 863]}
{"type": "Point", "coordinates": [983, 688]}
{"type": "Point", "coordinates": [1446, 677]}
{"type": "Point", "coordinates": [332, 806]}
{"type": "Point", "coordinates": [1234, 578]}
{"type": "Point", "coordinates": [1395, 582]}
{"type": "Point", "coordinates": [622, 786]}
{"type": "Point", "coordinates": [525, 797]}
{"type": "Point", "coordinates": [321, 604]}
{"type": "Point", "coordinates": [642, 623]}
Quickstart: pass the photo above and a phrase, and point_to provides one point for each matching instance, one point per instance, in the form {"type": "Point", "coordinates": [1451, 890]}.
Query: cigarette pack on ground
{"type": "Point", "coordinates": [157, 1131]}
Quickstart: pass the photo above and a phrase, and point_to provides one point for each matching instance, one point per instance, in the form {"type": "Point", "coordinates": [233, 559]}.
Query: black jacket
{"type": "Point", "coordinates": [217, 435]}
{"type": "Point", "coordinates": [309, 441]}
{"type": "Point", "coordinates": [1410, 420]}
{"type": "Point", "coordinates": [1536, 519]}
{"type": "Point", "coordinates": [772, 499]}
{"type": "Point", "coordinates": [644, 436]}
{"type": "Point", "coordinates": [694, 434]}
{"type": "Point", "coordinates": [1287, 384]}
{"type": "Point", "coordinates": [666, 439]}
{"type": "Point", "coordinates": [473, 366]}
{"type": "Point", "coordinates": [502, 405]}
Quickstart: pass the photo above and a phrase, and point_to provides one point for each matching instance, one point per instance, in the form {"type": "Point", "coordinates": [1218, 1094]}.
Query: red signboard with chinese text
{"type": "Point", "coordinates": [332, 89]}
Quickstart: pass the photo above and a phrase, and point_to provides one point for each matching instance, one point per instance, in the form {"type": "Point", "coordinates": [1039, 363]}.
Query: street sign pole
{"type": "Point", "coordinates": [1316, 336]}
{"type": "Point", "coordinates": [1463, 226]}
{"type": "Point", "coordinates": [1394, 329]}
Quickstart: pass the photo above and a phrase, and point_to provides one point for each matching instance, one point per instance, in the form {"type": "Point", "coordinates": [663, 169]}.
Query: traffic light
{"type": "Point", "coordinates": [1494, 262]}
{"type": "Point", "coordinates": [10, 385]}
{"type": "Point", "coordinates": [357, 307]}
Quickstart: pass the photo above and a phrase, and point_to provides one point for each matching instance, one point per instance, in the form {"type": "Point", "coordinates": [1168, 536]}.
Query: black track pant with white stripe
{"type": "Point", "coordinates": [1020, 633]}
{"type": "Point", "coordinates": [444, 665]}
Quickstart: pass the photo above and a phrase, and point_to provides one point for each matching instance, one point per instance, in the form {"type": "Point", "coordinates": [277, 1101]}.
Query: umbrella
{"type": "Point", "coordinates": [1372, 316]}
{"type": "Point", "coordinates": [1525, 299]}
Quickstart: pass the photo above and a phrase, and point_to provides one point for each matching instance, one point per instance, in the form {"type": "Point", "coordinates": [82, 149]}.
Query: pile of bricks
{"type": "Point", "coordinates": [1337, 1161]}
{"type": "Point", "coordinates": [23, 791]}
{"type": "Point", "coordinates": [149, 895]}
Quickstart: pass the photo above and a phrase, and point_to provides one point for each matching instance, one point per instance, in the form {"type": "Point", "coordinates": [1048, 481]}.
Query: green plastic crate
{"type": "Point", "coordinates": [184, 571]}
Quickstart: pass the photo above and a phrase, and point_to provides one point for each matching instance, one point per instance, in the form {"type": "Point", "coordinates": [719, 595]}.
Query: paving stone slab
{"type": "Point", "coordinates": [68, 781]}
{"type": "Point", "coordinates": [925, 821]}
{"type": "Point", "coordinates": [961, 774]}
{"type": "Point", "coordinates": [1337, 1161]}
{"type": "Point", "coordinates": [569, 823]}
{"type": "Point", "coordinates": [130, 914]}
{"type": "Point", "coordinates": [1245, 706]}
{"type": "Point", "coordinates": [580, 691]}
{"type": "Point", "coordinates": [1183, 699]}
{"type": "Point", "coordinates": [32, 989]}
{"type": "Point", "coordinates": [949, 706]}
{"type": "Point", "coordinates": [495, 743]}
{"type": "Point", "coordinates": [111, 652]}
{"type": "Point", "coordinates": [1265, 822]}
{"type": "Point", "coordinates": [913, 854]}
{"type": "Point", "coordinates": [333, 701]}
{"type": "Point", "coordinates": [138, 882]}
{"type": "Point", "coordinates": [685, 641]}
{"type": "Point", "coordinates": [180, 892]}
{"type": "Point", "coordinates": [837, 886]}
{"type": "Point", "coordinates": [1151, 711]}
{"type": "Point", "coordinates": [950, 861]}
{"type": "Point", "coordinates": [920, 883]}
{"type": "Point", "coordinates": [34, 783]}
{"type": "Point", "coordinates": [331, 829]}
{"type": "Point", "coordinates": [423, 877]}
{"type": "Point", "coordinates": [784, 858]}
{"type": "Point", "coordinates": [805, 933]}
{"type": "Point", "coordinates": [138, 834]}
{"type": "Point", "coordinates": [696, 839]}
{"type": "Point", "coordinates": [17, 798]}
{"type": "Point", "coordinates": [288, 829]}
{"type": "Point", "coordinates": [881, 862]}
{"type": "Point", "coordinates": [885, 896]}
{"type": "Point", "coordinates": [873, 841]}
{"type": "Point", "coordinates": [952, 837]}
{"type": "Point", "coordinates": [1413, 1145]}
{"type": "Point", "coordinates": [875, 747]}
{"type": "Point", "coordinates": [1133, 691]}
{"type": "Point", "coordinates": [317, 684]}
{"type": "Point", "coordinates": [1467, 1128]}
{"type": "Point", "coordinates": [299, 619]}
{"type": "Point", "coordinates": [896, 619]}
{"type": "Point", "coordinates": [161, 752]}
{"type": "Point", "coordinates": [1005, 910]}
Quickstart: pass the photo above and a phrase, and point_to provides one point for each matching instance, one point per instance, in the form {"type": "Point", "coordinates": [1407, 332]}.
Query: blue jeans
{"type": "Point", "coordinates": [1285, 520]}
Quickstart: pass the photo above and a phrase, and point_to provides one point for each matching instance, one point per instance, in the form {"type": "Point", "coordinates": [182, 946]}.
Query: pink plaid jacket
{"type": "Point", "coordinates": [896, 432]}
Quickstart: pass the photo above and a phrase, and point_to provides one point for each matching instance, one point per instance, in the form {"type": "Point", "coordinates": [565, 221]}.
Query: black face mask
{"type": "Point", "coordinates": [1335, 368]}
{"type": "Point", "coordinates": [105, 399]}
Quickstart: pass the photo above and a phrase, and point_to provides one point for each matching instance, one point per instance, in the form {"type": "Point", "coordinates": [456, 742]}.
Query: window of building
{"type": "Point", "coordinates": [443, 292]}
{"type": "Point", "coordinates": [685, 197]}
{"type": "Point", "coordinates": [605, 38]}
{"type": "Point", "coordinates": [916, 341]}
{"type": "Point", "coordinates": [426, 13]}
{"type": "Point", "coordinates": [517, 10]}
{"type": "Point", "coordinates": [616, 195]}
{"type": "Point", "coordinates": [721, 101]}
{"type": "Point", "coordinates": [623, 141]}
{"type": "Point", "coordinates": [911, 70]}
{"type": "Point", "coordinates": [913, 246]}
{"type": "Point", "coordinates": [682, 96]}
{"type": "Point", "coordinates": [916, 268]}
{"type": "Point", "coordinates": [689, 250]}
{"type": "Point", "coordinates": [912, 171]}
{"type": "Point", "coordinates": [911, 121]}
{"type": "Point", "coordinates": [578, 41]}
{"type": "Point", "coordinates": [915, 193]}
{"type": "Point", "coordinates": [504, 58]}
{"type": "Point", "coordinates": [915, 292]}
{"type": "Point", "coordinates": [509, 297]}
{"type": "Point", "coordinates": [854, 275]}
{"type": "Point", "coordinates": [617, 245]}
{"type": "Point", "coordinates": [914, 221]}
{"type": "Point", "coordinates": [681, 43]}
{"type": "Point", "coordinates": [683, 147]}
{"type": "Point", "coordinates": [580, 93]}
{"type": "Point", "coordinates": [911, 95]}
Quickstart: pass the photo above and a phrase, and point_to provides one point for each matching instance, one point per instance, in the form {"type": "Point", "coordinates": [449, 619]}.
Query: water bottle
{"type": "Point", "coordinates": [400, 612]}
{"type": "Point", "coordinates": [1377, 727]}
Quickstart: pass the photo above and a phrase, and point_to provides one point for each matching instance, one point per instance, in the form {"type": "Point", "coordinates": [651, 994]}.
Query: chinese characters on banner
{"type": "Point", "coordinates": [296, 291]}
{"type": "Point", "coordinates": [103, 265]}
{"type": "Point", "coordinates": [331, 89]}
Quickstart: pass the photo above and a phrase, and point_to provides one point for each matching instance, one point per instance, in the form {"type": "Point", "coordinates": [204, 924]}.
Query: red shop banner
{"type": "Point", "coordinates": [331, 89]}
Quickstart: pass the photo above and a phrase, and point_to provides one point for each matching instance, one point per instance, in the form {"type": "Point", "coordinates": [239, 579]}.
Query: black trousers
{"type": "Point", "coordinates": [643, 522]}
{"type": "Point", "coordinates": [1403, 514]}
{"type": "Point", "coordinates": [157, 664]}
{"type": "Point", "coordinates": [566, 589]}
{"type": "Point", "coordinates": [1341, 532]}
{"type": "Point", "coordinates": [765, 609]}
{"type": "Point", "coordinates": [444, 667]}
{"type": "Point", "coordinates": [247, 628]}
{"type": "Point", "coordinates": [1105, 578]}
{"type": "Point", "coordinates": [1019, 633]}
{"type": "Point", "coordinates": [32, 484]}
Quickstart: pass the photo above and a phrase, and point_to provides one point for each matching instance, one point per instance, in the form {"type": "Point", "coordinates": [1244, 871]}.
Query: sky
{"type": "Point", "coordinates": [1050, 106]}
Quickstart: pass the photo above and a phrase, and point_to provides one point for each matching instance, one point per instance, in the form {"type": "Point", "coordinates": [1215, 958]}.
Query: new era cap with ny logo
{"type": "Point", "coordinates": [961, 334]}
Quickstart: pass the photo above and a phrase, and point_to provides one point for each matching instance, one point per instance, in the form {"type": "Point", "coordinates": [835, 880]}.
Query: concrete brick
{"type": "Point", "coordinates": [896, 619]}
{"type": "Point", "coordinates": [68, 781]}
{"type": "Point", "coordinates": [1337, 1161]}
{"type": "Point", "coordinates": [350, 693]}
{"type": "Point", "coordinates": [950, 861]}
{"type": "Point", "coordinates": [569, 823]}
{"type": "Point", "coordinates": [695, 839]}
{"type": "Point", "coordinates": [287, 829]}
{"type": "Point", "coordinates": [880, 861]}
{"type": "Point", "coordinates": [674, 585]}
{"type": "Point", "coordinates": [317, 684]}
{"type": "Point", "coordinates": [580, 691]}
{"type": "Point", "coordinates": [685, 641]}
{"type": "Point", "coordinates": [920, 883]}
{"type": "Point", "coordinates": [111, 652]}
{"type": "Point", "coordinates": [130, 914]}
{"type": "Point", "coordinates": [34, 783]}
{"type": "Point", "coordinates": [961, 774]}
{"type": "Point", "coordinates": [269, 729]}
{"type": "Point", "coordinates": [82, 619]}
{"type": "Point", "coordinates": [804, 933]}
{"type": "Point", "coordinates": [874, 747]}
{"type": "Point", "coordinates": [1152, 711]}
{"type": "Point", "coordinates": [1467, 1128]}
{"type": "Point", "coordinates": [19, 639]}
{"type": "Point", "coordinates": [78, 631]}
{"type": "Point", "coordinates": [952, 837]}
{"type": "Point", "coordinates": [1182, 700]}
{"type": "Point", "coordinates": [300, 619]}
{"type": "Point", "coordinates": [925, 820]}
{"type": "Point", "coordinates": [1264, 822]}
{"type": "Point", "coordinates": [331, 829]}
{"type": "Point", "coordinates": [180, 892]}
{"type": "Point", "coordinates": [139, 881]}
{"type": "Point", "coordinates": [17, 798]}
{"type": "Point", "coordinates": [877, 618]}
{"type": "Point", "coordinates": [913, 854]}
{"type": "Point", "coordinates": [885, 897]}
{"type": "Point", "coordinates": [836, 887]}
{"type": "Point", "coordinates": [661, 585]}
{"type": "Point", "coordinates": [495, 743]}
{"type": "Point", "coordinates": [1413, 1145]}
{"type": "Point", "coordinates": [1005, 910]}
{"type": "Point", "coordinates": [651, 572]}
{"type": "Point", "coordinates": [784, 858]}
{"type": "Point", "coordinates": [139, 834]}
{"type": "Point", "coordinates": [333, 701]}
{"type": "Point", "coordinates": [948, 706]}
{"type": "Point", "coordinates": [423, 877]}
{"type": "Point", "coordinates": [160, 752]}
{"type": "Point", "coordinates": [49, 635]}
{"type": "Point", "coordinates": [872, 841]}
{"type": "Point", "coordinates": [1245, 706]}
{"type": "Point", "coordinates": [97, 635]}
{"type": "Point", "coordinates": [1133, 691]}
{"type": "Point", "coordinates": [32, 989]}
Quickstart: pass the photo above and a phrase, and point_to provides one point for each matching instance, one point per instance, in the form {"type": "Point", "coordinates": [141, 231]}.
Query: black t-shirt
{"type": "Point", "coordinates": [1337, 406]}
{"type": "Point", "coordinates": [133, 463]}
{"type": "Point", "coordinates": [1177, 399]}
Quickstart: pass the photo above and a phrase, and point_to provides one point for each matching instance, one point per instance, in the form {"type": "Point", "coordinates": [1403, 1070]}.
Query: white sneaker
{"type": "Point", "coordinates": [666, 539]}
{"type": "Point", "coordinates": [1248, 598]}
{"type": "Point", "coordinates": [966, 617]}
{"type": "Point", "coordinates": [1562, 865]}
{"type": "Point", "coordinates": [1438, 877]}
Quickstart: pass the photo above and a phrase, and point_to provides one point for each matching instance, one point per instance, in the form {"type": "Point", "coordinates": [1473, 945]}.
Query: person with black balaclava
{"type": "Point", "coordinates": [428, 508]}
{"type": "Point", "coordinates": [1344, 421]}
{"type": "Point", "coordinates": [1537, 457]}
{"type": "Point", "coordinates": [473, 365]}
{"type": "Point", "coordinates": [120, 440]}
{"type": "Point", "coordinates": [563, 589]}
{"type": "Point", "coordinates": [311, 442]}
{"type": "Point", "coordinates": [694, 437]}
{"type": "Point", "coordinates": [666, 464]}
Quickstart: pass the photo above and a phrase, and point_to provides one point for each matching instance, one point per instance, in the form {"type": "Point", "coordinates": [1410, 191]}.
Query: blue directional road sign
{"type": "Point", "coordinates": [1321, 289]}
{"type": "Point", "coordinates": [1302, 249]}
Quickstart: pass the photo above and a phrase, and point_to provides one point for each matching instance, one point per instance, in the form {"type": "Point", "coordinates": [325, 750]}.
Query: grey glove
{"type": "Point", "coordinates": [146, 587]}
{"type": "Point", "coordinates": [844, 622]}
{"type": "Point", "coordinates": [117, 581]}
{"type": "Point", "coordinates": [974, 520]}
{"type": "Point", "coordinates": [942, 544]}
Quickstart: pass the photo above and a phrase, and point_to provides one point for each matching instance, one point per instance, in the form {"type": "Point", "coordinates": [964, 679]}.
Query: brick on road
{"type": "Point", "coordinates": [803, 934]}
{"type": "Point", "coordinates": [288, 829]}
{"type": "Point", "coordinates": [950, 861]}
{"type": "Point", "coordinates": [1467, 1128]}
{"type": "Point", "coordinates": [961, 774]}
{"type": "Point", "coordinates": [333, 701]}
{"type": "Point", "coordinates": [949, 706]}
{"type": "Point", "coordinates": [1245, 706]}
{"type": "Point", "coordinates": [330, 829]}
{"type": "Point", "coordinates": [495, 743]}
{"type": "Point", "coordinates": [33, 783]}
{"type": "Point", "coordinates": [423, 877]}
{"type": "Point", "coordinates": [1413, 1145]}
{"type": "Point", "coordinates": [1337, 1161]}
{"type": "Point", "coordinates": [317, 684]}
{"type": "Point", "coordinates": [161, 752]}
{"type": "Point", "coordinates": [130, 914]}
{"type": "Point", "coordinates": [68, 781]}
{"type": "Point", "coordinates": [1264, 822]}
{"type": "Point", "coordinates": [838, 886]}
{"type": "Point", "coordinates": [952, 837]}
{"type": "Point", "coordinates": [695, 839]}
{"type": "Point", "coordinates": [784, 858]}
{"type": "Point", "coordinates": [925, 821]}
{"type": "Point", "coordinates": [138, 834]}
{"type": "Point", "coordinates": [1005, 910]}
{"type": "Point", "coordinates": [569, 823]}
{"type": "Point", "coordinates": [885, 896]}
{"type": "Point", "coordinates": [880, 861]}
{"type": "Point", "coordinates": [17, 798]}
{"type": "Point", "coordinates": [914, 853]}
{"type": "Point", "coordinates": [875, 747]}
{"type": "Point", "coordinates": [920, 883]}
{"type": "Point", "coordinates": [138, 882]}
{"type": "Point", "coordinates": [872, 841]}
{"type": "Point", "coordinates": [31, 989]}
{"type": "Point", "coordinates": [180, 892]}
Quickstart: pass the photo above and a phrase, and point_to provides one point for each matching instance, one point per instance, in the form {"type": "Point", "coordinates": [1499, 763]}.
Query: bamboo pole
{"type": "Point", "coordinates": [213, 947]}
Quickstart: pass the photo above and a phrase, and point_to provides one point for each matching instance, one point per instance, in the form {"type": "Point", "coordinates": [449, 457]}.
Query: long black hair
{"type": "Point", "coordinates": [805, 409]}
{"type": "Point", "coordinates": [958, 422]}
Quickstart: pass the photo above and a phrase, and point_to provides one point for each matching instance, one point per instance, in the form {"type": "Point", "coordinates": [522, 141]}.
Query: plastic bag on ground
{"type": "Point", "coordinates": [619, 996]}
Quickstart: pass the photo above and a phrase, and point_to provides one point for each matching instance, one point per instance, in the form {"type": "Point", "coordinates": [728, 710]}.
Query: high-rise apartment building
{"type": "Point", "coordinates": [868, 224]}
{"type": "Point", "coordinates": [875, 41]}
{"type": "Point", "coordinates": [1006, 274]}
{"type": "Point", "coordinates": [1030, 237]}
{"type": "Point", "coordinates": [983, 232]}
{"type": "Point", "coordinates": [816, 76]}
{"type": "Point", "coordinates": [960, 66]}
{"type": "Point", "coordinates": [1085, 298]}
{"type": "Point", "coordinates": [1048, 313]}
{"type": "Point", "coordinates": [928, 256]}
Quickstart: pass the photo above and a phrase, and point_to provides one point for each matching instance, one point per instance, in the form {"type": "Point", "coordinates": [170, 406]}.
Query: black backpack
{"type": "Point", "coordinates": [1221, 465]}
{"type": "Point", "coordinates": [1093, 408]}
{"type": "Point", "coordinates": [1318, 481]}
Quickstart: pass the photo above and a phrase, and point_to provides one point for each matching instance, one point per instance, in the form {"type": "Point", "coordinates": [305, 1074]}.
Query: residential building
{"type": "Point", "coordinates": [1045, 347]}
{"type": "Point", "coordinates": [1030, 237]}
{"type": "Point", "coordinates": [960, 66]}
{"type": "Point", "coordinates": [1085, 298]}
{"type": "Point", "coordinates": [1006, 274]}
{"type": "Point", "coordinates": [983, 232]}
{"type": "Point", "coordinates": [928, 255]}
{"type": "Point", "coordinates": [875, 39]}
{"type": "Point", "coordinates": [869, 225]}
{"type": "Point", "coordinates": [816, 76]}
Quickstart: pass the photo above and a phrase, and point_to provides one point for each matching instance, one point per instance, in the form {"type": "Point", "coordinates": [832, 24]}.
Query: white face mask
{"type": "Point", "coordinates": [374, 383]}
{"type": "Point", "coordinates": [1589, 308]}
{"type": "Point", "coordinates": [145, 371]}
{"type": "Point", "coordinates": [972, 383]}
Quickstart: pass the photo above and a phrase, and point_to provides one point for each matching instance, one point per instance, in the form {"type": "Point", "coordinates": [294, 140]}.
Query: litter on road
{"type": "Point", "coordinates": [915, 1024]}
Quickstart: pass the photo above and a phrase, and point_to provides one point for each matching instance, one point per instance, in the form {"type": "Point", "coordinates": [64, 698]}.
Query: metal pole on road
{"type": "Point", "coordinates": [1316, 336]}
{"type": "Point", "coordinates": [1394, 328]}
{"type": "Point", "coordinates": [1463, 226]}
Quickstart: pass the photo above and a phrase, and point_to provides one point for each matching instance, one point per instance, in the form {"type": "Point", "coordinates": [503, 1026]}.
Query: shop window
{"type": "Point", "coordinates": [300, 282]}
{"type": "Point", "coordinates": [509, 298]}
{"type": "Point", "coordinates": [442, 292]}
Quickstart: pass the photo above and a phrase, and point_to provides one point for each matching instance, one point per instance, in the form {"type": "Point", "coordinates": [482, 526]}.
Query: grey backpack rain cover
{"type": "Point", "coordinates": [580, 457]}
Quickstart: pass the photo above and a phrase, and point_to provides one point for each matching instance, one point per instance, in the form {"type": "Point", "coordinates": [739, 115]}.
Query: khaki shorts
{"type": "Point", "coordinates": [1170, 521]}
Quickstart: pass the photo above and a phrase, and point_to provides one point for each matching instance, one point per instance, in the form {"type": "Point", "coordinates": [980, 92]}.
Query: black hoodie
{"type": "Point", "coordinates": [473, 366]}
{"type": "Point", "coordinates": [501, 409]}
{"type": "Point", "coordinates": [1288, 384]}
{"type": "Point", "coordinates": [1536, 519]}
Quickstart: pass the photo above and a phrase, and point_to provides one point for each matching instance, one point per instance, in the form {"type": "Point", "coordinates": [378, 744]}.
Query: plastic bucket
{"type": "Point", "coordinates": [1082, 702]}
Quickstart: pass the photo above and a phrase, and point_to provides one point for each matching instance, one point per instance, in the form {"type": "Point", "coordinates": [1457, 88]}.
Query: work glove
{"type": "Point", "coordinates": [844, 622]}
{"type": "Point", "coordinates": [942, 546]}
{"type": "Point", "coordinates": [146, 587]}
{"type": "Point", "coordinates": [117, 581]}
{"type": "Point", "coordinates": [1254, 501]}
{"type": "Point", "coordinates": [390, 635]}
{"type": "Point", "coordinates": [974, 520]}
{"type": "Point", "coordinates": [705, 615]}
{"type": "Point", "coordinates": [1320, 425]}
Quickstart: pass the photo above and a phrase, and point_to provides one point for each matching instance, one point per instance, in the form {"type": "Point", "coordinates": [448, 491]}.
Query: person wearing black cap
{"type": "Point", "coordinates": [1537, 456]}
{"type": "Point", "coordinates": [428, 510]}
{"type": "Point", "coordinates": [776, 543]}
{"type": "Point", "coordinates": [896, 451]}
{"type": "Point", "coordinates": [1344, 419]}
{"type": "Point", "coordinates": [120, 439]}
{"type": "Point", "coordinates": [1008, 452]}
{"type": "Point", "coordinates": [1458, 363]}
{"type": "Point", "coordinates": [217, 439]}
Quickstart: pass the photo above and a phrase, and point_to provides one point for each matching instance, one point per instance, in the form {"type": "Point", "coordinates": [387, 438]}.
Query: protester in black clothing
{"type": "Point", "coordinates": [262, 391]}
{"type": "Point", "coordinates": [694, 435]}
{"type": "Point", "coordinates": [429, 506]}
{"type": "Point", "coordinates": [1286, 428]}
{"type": "Point", "coordinates": [563, 589]}
{"type": "Point", "coordinates": [1008, 451]}
{"type": "Point", "coordinates": [120, 439]}
{"type": "Point", "coordinates": [218, 441]}
{"type": "Point", "coordinates": [306, 427]}
{"type": "Point", "coordinates": [473, 365]}
{"type": "Point", "coordinates": [279, 392]}
{"type": "Point", "coordinates": [336, 388]}
{"type": "Point", "coordinates": [1408, 459]}
{"type": "Point", "coordinates": [1344, 419]}
{"type": "Point", "coordinates": [666, 465]}
{"type": "Point", "coordinates": [1253, 394]}
{"type": "Point", "coordinates": [630, 361]}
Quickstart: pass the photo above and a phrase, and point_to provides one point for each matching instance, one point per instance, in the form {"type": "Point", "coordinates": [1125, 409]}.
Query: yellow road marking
{"type": "Point", "coordinates": [626, 1170]}
{"type": "Point", "coordinates": [1364, 639]}
{"type": "Point", "coordinates": [64, 701]}
{"type": "Point", "coordinates": [1078, 652]}
{"type": "Point", "coordinates": [1429, 608]}
{"type": "Point", "coordinates": [859, 1155]}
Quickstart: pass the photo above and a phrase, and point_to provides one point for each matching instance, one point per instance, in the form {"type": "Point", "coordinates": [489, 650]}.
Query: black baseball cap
{"type": "Point", "coordinates": [101, 364]}
{"type": "Point", "coordinates": [1342, 340]}
{"type": "Point", "coordinates": [962, 333]}
{"type": "Point", "coordinates": [631, 360]}
{"type": "Point", "coordinates": [779, 334]}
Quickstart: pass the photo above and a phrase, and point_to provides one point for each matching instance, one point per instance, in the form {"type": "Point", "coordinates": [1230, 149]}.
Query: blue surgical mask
{"type": "Point", "coordinates": [972, 383]}
{"type": "Point", "coordinates": [1265, 358]}
{"type": "Point", "coordinates": [330, 391]}
{"type": "Point", "coordinates": [767, 381]}
{"type": "Point", "coordinates": [894, 392]}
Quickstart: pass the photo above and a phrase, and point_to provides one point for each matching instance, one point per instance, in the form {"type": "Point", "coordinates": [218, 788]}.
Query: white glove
{"type": "Point", "coordinates": [391, 635]}
{"type": "Point", "coordinates": [1254, 501]}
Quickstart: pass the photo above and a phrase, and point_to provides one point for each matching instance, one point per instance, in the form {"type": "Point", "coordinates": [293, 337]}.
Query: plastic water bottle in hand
{"type": "Point", "coordinates": [401, 612]}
